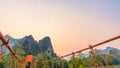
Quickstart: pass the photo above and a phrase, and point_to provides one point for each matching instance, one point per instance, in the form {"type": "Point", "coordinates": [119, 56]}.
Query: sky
{"type": "Point", "coordinates": [71, 24]}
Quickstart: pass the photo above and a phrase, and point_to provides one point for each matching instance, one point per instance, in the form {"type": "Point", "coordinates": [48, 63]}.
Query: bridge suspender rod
{"type": "Point", "coordinates": [93, 55]}
{"type": "Point", "coordinates": [74, 61]}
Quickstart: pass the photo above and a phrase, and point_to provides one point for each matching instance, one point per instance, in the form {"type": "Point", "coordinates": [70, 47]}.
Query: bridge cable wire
{"type": "Point", "coordinates": [91, 48]}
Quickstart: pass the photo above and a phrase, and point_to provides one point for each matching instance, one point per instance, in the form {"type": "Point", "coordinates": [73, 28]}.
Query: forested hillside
{"type": "Point", "coordinates": [31, 46]}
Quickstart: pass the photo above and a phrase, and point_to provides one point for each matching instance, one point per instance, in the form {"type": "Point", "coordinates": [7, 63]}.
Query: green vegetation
{"type": "Point", "coordinates": [110, 60]}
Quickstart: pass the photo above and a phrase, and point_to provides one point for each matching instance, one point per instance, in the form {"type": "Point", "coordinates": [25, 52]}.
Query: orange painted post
{"type": "Point", "coordinates": [29, 58]}
{"type": "Point", "coordinates": [93, 55]}
{"type": "Point", "coordinates": [74, 62]}
{"type": "Point", "coordinates": [0, 55]}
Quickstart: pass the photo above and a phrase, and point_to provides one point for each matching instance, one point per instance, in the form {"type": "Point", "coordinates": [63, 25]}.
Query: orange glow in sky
{"type": "Point", "coordinates": [71, 24]}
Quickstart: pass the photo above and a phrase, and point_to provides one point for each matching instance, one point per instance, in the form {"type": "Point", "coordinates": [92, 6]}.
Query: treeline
{"type": "Point", "coordinates": [79, 61]}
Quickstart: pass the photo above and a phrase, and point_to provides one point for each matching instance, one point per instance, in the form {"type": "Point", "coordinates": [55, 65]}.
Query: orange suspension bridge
{"type": "Point", "coordinates": [30, 60]}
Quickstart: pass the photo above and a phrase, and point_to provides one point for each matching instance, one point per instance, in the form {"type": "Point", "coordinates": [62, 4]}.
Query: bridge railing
{"type": "Point", "coordinates": [5, 43]}
{"type": "Point", "coordinates": [90, 47]}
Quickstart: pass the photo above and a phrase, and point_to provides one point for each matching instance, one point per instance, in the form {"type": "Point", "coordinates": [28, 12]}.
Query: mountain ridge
{"type": "Point", "coordinates": [31, 46]}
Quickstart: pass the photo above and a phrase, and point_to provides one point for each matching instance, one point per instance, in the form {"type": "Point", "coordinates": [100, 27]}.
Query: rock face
{"type": "Point", "coordinates": [31, 46]}
{"type": "Point", "coordinates": [46, 45]}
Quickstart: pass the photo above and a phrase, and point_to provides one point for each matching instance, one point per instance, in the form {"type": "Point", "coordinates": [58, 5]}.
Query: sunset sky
{"type": "Point", "coordinates": [71, 24]}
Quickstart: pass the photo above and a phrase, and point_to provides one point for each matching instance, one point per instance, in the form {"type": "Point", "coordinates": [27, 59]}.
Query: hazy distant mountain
{"type": "Point", "coordinates": [12, 40]}
{"type": "Point", "coordinates": [31, 46]}
{"type": "Point", "coordinates": [107, 50]}
{"type": "Point", "coordinates": [114, 51]}
{"type": "Point", "coordinates": [104, 51]}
